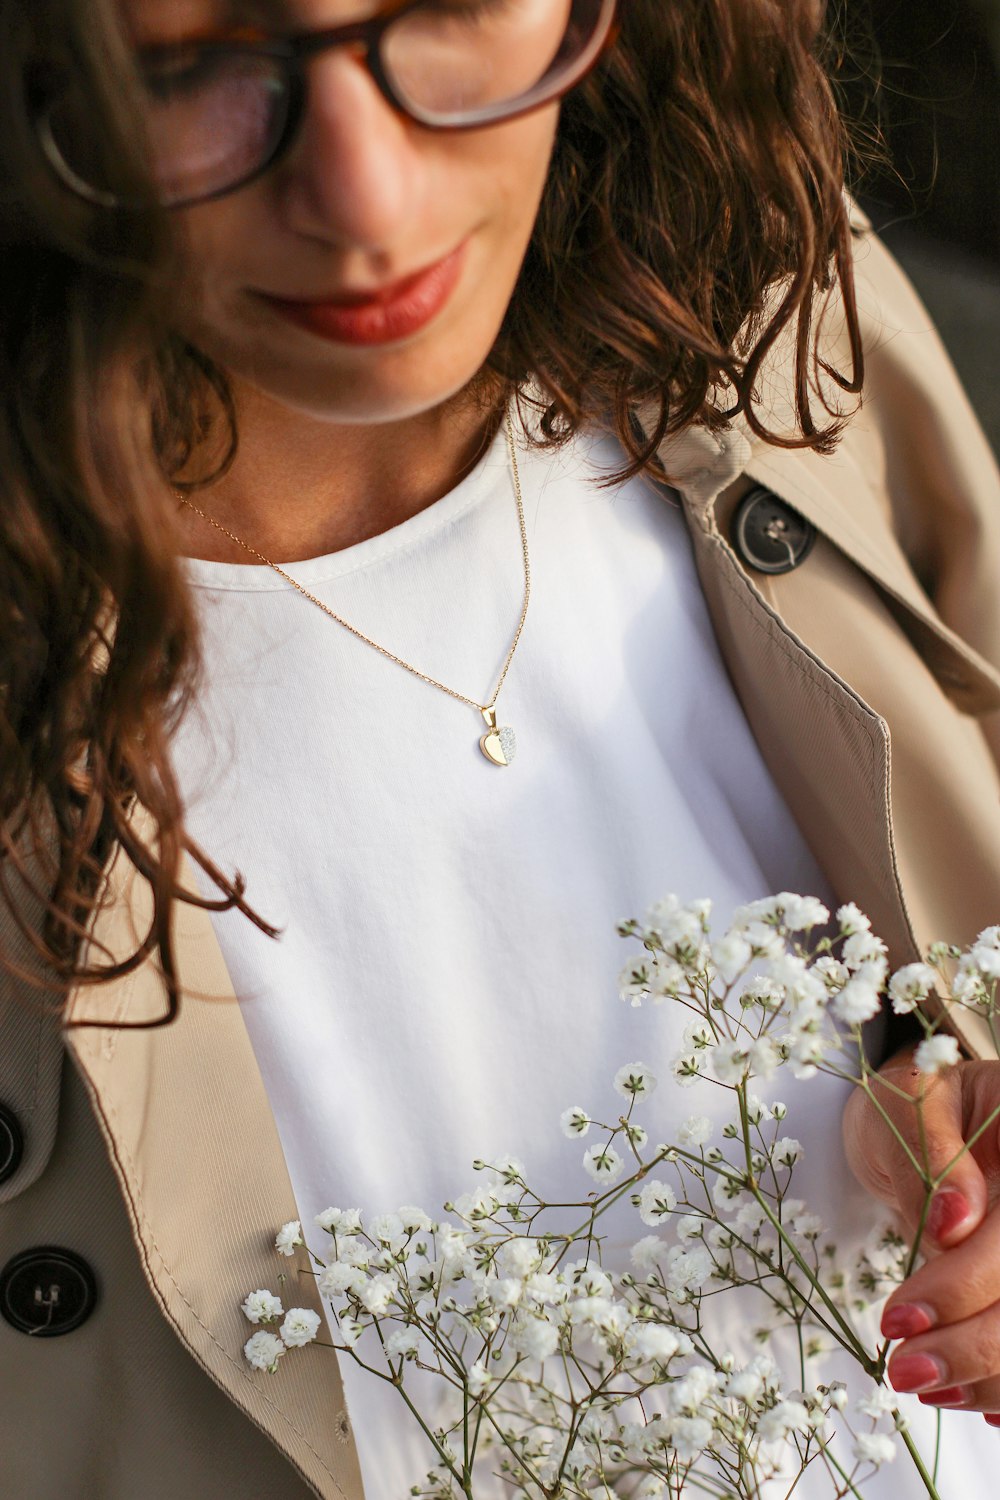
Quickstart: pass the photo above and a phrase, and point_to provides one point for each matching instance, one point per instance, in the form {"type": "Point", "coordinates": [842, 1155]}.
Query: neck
{"type": "Point", "coordinates": [301, 487]}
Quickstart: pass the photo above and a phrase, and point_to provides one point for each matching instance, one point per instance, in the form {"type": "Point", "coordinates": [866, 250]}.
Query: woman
{"type": "Point", "coordinates": [276, 274]}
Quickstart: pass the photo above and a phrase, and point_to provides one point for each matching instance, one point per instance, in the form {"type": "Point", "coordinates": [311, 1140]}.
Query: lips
{"type": "Point", "coordinates": [381, 316]}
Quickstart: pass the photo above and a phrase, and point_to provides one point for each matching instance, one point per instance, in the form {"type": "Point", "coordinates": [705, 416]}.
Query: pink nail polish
{"type": "Point", "coordinates": [948, 1210]}
{"type": "Point", "coordinates": [906, 1320]}
{"type": "Point", "coordinates": [955, 1395]}
{"type": "Point", "coordinates": [916, 1372]}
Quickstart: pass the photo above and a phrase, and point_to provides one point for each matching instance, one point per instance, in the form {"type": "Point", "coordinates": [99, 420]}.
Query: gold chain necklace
{"type": "Point", "coordinates": [499, 743]}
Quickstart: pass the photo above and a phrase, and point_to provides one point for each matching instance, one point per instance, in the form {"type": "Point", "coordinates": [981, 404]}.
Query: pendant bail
{"type": "Point", "coordinates": [490, 715]}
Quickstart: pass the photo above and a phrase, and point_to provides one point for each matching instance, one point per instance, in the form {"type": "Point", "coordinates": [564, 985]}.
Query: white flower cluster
{"type": "Point", "coordinates": [301, 1325]}
{"type": "Point", "coordinates": [781, 1002]}
{"type": "Point", "coordinates": [571, 1376]}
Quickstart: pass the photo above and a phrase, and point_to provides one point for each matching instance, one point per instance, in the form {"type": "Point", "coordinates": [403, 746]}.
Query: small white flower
{"type": "Point", "coordinates": [688, 1270]}
{"type": "Point", "coordinates": [590, 1311]}
{"type": "Point", "coordinates": [686, 1068]}
{"type": "Point", "coordinates": [762, 1058]}
{"type": "Point", "coordinates": [603, 1163]}
{"type": "Point", "coordinates": [935, 1053]}
{"type": "Point", "coordinates": [757, 1110]}
{"type": "Point", "coordinates": [731, 954]}
{"type": "Point", "coordinates": [377, 1295]}
{"type": "Point", "coordinates": [786, 1417]}
{"type": "Point", "coordinates": [288, 1236]}
{"type": "Point", "coordinates": [787, 1151]}
{"type": "Point", "coordinates": [536, 1338]}
{"type": "Point", "coordinates": [730, 1062]}
{"type": "Point", "coordinates": [763, 993]}
{"type": "Point", "coordinates": [350, 1330]}
{"type": "Point", "coordinates": [746, 1386]}
{"type": "Point", "coordinates": [803, 912]}
{"type": "Point", "coordinates": [862, 948]}
{"type": "Point", "coordinates": [574, 1121]}
{"type": "Point", "coordinates": [546, 1288]}
{"type": "Point", "coordinates": [634, 1081]}
{"type": "Point", "coordinates": [655, 1341]}
{"type": "Point", "coordinates": [414, 1220]}
{"type": "Point", "coordinates": [657, 1202]}
{"type": "Point", "coordinates": [340, 1278]}
{"type": "Point", "coordinates": [262, 1307]}
{"type": "Point", "coordinates": [806, 1226]}
{"type": "Point", "coordinates": [505, 1293]}
{"type": "Point", "coordinates": [852, 919]}
{"type": "Point", "coordinates": [300, 1327]}
{"type": "Point", "coordinates": [694, 1389]}
{"type": "Point", "coordinates": [874, 1448]}
{"type": "Point", "coordinates": [690, 1436]}
{"type": "Point", "coordinates": [634, 980]}
{"type": "Point", "coordinates": [479, 1379]}
{"type": "Point", "coordinates": [588, 1280]}
{"type": "Point", "coordinates": [520, 1256]}
{"type": "Point", "coordinates": [263, 1350]}
{"type": "Point", "coordinates": [403, 1343]}
{"type": "Point", "coordinates": [696, 1131]}
{"type": "Point", "coordinates": [910, 986]}
{"type": "Point", "coordinates": [881, 1403]}
{"type": "Point", "coordinates": [340, 1220]}
{"type": "Point", "coordinates": [647, 1252]}
{"type": "Point", "coordinates": [986, 959]}
{"type": "Point", "coordinates": [858, 1001]}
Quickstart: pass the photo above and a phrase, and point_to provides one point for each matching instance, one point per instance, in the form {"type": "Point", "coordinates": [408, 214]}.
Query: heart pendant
{"type": "Point", "coordinates": [500, 744]}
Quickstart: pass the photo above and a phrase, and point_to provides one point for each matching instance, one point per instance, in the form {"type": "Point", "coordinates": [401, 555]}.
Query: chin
{"type": "Point", "coordinates": [372, 387]}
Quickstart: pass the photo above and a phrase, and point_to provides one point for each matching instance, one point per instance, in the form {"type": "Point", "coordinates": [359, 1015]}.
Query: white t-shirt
{"type": "Point", "coordinates": [446, 981]}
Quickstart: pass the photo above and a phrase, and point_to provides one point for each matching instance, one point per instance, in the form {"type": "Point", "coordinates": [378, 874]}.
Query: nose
{"type": "Point", "coordinates": [354, 174]}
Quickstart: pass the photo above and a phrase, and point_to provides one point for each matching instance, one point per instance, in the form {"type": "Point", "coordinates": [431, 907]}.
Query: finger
{"type": "Point", "coordinates": [980, 1398]}
{"type": "Point", "coordinates": [931, 1122]}
{"type": "Point", "coordinates": [950, 1287]}
{"type": "Point", "coordinates": [959, 1356]}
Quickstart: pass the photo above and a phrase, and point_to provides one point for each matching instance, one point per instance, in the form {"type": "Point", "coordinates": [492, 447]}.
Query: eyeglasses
{"type": "Point", "coordinates": [219, 112]}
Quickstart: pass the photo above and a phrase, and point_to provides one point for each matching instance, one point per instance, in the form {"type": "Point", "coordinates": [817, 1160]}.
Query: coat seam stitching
{"type": "Point", "coordinates": [112, 1116]}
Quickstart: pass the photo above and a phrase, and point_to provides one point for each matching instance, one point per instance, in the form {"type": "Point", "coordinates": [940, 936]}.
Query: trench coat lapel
{"type": "Point", "coordinates": [192, 1139]}
{"type": "Point", "coordinates": [828, 750]}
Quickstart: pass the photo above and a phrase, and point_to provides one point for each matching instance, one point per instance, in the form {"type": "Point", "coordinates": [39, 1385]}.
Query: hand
{"type": "Point", "coordinates": [947, 1314]}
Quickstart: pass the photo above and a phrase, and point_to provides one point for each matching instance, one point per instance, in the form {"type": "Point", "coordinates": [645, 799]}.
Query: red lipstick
{"type": "Point", "coordinates": [383, 315]}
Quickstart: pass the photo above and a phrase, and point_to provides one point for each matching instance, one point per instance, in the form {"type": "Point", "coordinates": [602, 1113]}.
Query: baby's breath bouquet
{"type": "Point", "coordinates": [564, 1378]}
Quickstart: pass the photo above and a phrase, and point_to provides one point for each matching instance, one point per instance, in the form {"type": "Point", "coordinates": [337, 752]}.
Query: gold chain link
{"type": "Point", "coordinates": [482, 707]}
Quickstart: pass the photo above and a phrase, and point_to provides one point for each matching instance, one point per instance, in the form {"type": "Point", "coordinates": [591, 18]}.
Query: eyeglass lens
{"type": "Point", "coordinates": [215, 115]}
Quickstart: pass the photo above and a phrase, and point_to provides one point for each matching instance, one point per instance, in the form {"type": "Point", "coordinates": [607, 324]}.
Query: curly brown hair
{"type": "Point", "coordinates": [694, 214]}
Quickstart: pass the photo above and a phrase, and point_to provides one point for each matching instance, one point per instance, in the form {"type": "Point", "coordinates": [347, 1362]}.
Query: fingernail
{"type": "Point", "coordinates": [955, 1395]}
{"type": "Point", "coordinates": [906, 1320]}
{"type": "Point", "coordinates": [949, 1209]}
{"type": "Point", "coordinates": [916, 1372]}
{"type": "Point", "coordinates": [994, 1421]}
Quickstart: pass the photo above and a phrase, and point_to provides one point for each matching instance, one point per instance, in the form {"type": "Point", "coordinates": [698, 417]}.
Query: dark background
{"type": "Point", "coordinates": [923, 76]}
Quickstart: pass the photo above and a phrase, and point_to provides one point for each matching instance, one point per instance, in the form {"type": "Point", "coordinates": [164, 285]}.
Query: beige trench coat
{"type": "Point", "coordinates": [870, 677]}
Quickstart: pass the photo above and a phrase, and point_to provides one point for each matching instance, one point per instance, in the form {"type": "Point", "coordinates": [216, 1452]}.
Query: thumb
{"type": "Point", "coordinates": [932, 1124]}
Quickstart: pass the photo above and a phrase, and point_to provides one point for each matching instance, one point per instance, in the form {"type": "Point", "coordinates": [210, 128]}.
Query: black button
{"type": "Point", "coordinates": [769, 535]}
{"type": "Point", "coordinates": [47, 1291]}
{"type": "Point", "coordinates": [11, 1143]}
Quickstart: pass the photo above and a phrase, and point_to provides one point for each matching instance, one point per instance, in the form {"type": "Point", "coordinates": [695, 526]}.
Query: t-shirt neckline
{"type": "Point", "coordinates": [484, 481]}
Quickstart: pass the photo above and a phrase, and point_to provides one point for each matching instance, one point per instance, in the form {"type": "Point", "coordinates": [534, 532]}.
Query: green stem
{"type": "Point", "coordinates": [919, 1464]}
